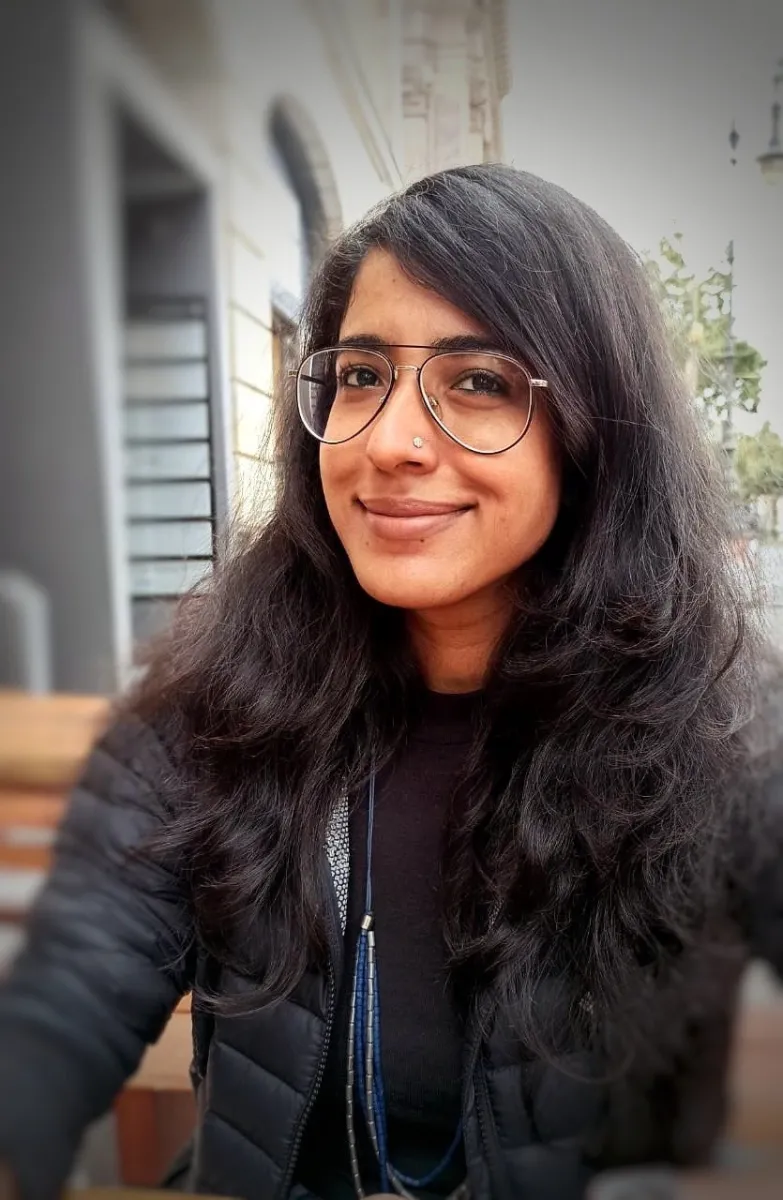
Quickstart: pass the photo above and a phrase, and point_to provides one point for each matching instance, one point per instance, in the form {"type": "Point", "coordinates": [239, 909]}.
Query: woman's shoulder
{"type": "Point", "coordinates": [142, 749]}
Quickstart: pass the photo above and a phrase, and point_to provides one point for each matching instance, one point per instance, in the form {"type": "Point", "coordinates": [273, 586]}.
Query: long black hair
{"type": "Point", "coordinates": [585, 829]}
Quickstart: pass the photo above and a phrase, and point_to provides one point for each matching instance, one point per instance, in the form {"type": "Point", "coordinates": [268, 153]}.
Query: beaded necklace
{"type": "Point", "coordinates": [364, 1049]}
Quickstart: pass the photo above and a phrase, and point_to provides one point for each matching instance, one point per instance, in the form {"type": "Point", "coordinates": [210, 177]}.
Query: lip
{"type": "Point", "coordinates": [409, 520]}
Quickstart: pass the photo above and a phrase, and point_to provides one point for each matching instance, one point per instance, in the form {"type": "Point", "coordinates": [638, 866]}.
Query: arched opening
{"type": "Point", "coordinates": [299, 146]}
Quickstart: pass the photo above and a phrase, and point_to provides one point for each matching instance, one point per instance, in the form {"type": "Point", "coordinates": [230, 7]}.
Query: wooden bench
{"type": "Point", "coordinates": [44, 741]}
{"type": "Point", "coordinates": [156, 1112]}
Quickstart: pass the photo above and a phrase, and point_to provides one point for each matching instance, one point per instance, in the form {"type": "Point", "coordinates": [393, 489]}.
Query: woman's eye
{"type": "Point", "coordinates": [482, 381]}
{"type": "Point", "coordinates": [359, 377]}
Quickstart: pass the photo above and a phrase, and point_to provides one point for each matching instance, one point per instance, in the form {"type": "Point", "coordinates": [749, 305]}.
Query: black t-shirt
{"type": "Point", "coordinates": [421, 1033]}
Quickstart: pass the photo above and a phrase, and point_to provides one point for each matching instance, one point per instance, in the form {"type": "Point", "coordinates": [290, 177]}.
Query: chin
{"type": "Point", "coordinates": [400, 589]}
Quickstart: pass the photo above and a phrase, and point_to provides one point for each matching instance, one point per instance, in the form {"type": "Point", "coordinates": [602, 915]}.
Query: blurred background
{"type": "Point", "coordinates": [172, 171]}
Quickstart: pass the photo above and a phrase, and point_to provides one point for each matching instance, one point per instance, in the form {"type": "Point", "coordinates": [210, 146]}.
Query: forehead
{"type": "Point", "coordinates": [385, 302]}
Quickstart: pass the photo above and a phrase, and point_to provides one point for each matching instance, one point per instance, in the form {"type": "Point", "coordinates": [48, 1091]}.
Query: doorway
{"type": "Point", "coordinates": [174, 497]}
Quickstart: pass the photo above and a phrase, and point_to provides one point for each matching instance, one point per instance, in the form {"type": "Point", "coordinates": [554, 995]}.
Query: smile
{"type": "Point", "coordinates": [409, 520]}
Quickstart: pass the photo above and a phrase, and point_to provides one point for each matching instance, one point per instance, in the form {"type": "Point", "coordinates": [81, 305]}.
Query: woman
{"type": "Point", "coordinates": [438, 798]}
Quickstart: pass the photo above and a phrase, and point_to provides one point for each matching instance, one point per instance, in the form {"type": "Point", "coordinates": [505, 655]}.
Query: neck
{"type": "Point", "coordinates": [454, 645]}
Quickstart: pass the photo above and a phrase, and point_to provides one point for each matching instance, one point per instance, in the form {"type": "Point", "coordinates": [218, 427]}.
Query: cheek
{"type": "Point", "coordinates": [336, 465]}
{"type": "Point", "coordinates": [529, 501]}
{"type": "Point", "coordinates": [325, 469]}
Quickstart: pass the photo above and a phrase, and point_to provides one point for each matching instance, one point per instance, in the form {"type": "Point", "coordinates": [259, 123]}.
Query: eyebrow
{"type": "Point", "coordinates": [461, 343]}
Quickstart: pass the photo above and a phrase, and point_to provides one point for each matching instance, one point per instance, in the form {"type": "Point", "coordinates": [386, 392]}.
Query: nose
{"type": "Point", "coordinates": [403, 417]}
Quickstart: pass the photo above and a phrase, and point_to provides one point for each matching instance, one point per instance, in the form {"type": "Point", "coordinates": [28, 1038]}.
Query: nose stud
{"type": "Point", "coordinates": [418, 442]}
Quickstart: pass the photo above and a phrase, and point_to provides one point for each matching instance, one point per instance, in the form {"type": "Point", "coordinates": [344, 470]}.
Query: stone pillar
{"type": "Point", "coordinates": [454, 76]}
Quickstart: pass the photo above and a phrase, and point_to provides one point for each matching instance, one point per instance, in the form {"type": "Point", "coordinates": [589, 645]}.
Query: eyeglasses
{"type": "Point", "coordinates": [481, 400]}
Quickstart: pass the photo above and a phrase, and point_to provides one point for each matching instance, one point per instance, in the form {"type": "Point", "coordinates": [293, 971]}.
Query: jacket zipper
{"type": "Point", "coordinates": [487, 1137]}
{"type": "Point", "coordinates": [285, 1186]}
{"type": "Point", "coordinates": [300, 1129]}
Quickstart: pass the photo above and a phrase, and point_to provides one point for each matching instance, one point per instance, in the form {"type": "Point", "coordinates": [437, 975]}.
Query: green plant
{"type": "Point", "coordinates": [758, 466]}
{"type": "Point", "coordinates": [698, 314]}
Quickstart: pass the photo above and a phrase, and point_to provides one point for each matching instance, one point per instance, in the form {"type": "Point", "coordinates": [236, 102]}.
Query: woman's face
{"type": "Point", "coordinates": [493, 512]}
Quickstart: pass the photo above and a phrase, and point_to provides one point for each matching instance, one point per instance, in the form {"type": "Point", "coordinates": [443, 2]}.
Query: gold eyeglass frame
{"type": "Point", "coordinates": [394, 369]}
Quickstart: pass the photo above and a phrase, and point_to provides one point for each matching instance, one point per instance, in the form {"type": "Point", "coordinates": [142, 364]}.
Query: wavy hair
{"type": "Point", "coordinates": [585, 833]}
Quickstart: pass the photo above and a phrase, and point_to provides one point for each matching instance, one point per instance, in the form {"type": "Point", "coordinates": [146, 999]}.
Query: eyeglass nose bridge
{"type": "Point", "coordinates": [395, 371]}
{"type": "Point", "coordinates": [396, 368]}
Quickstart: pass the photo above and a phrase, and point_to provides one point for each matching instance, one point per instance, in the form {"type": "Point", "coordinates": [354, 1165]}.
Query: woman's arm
{"type": "Point", "coordinates": [108, 954]}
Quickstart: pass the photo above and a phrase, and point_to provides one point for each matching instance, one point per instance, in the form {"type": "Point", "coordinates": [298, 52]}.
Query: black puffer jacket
{"type": "Point", "coordinates": [111, 950]}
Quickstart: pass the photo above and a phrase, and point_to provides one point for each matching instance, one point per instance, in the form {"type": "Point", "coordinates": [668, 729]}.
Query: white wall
{"type": "Point", "coordinates": [272, 50]}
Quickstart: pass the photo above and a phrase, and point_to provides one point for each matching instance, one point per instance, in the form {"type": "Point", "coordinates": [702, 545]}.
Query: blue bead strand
{"type": "Point", "coordinates": [367, 1078]}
